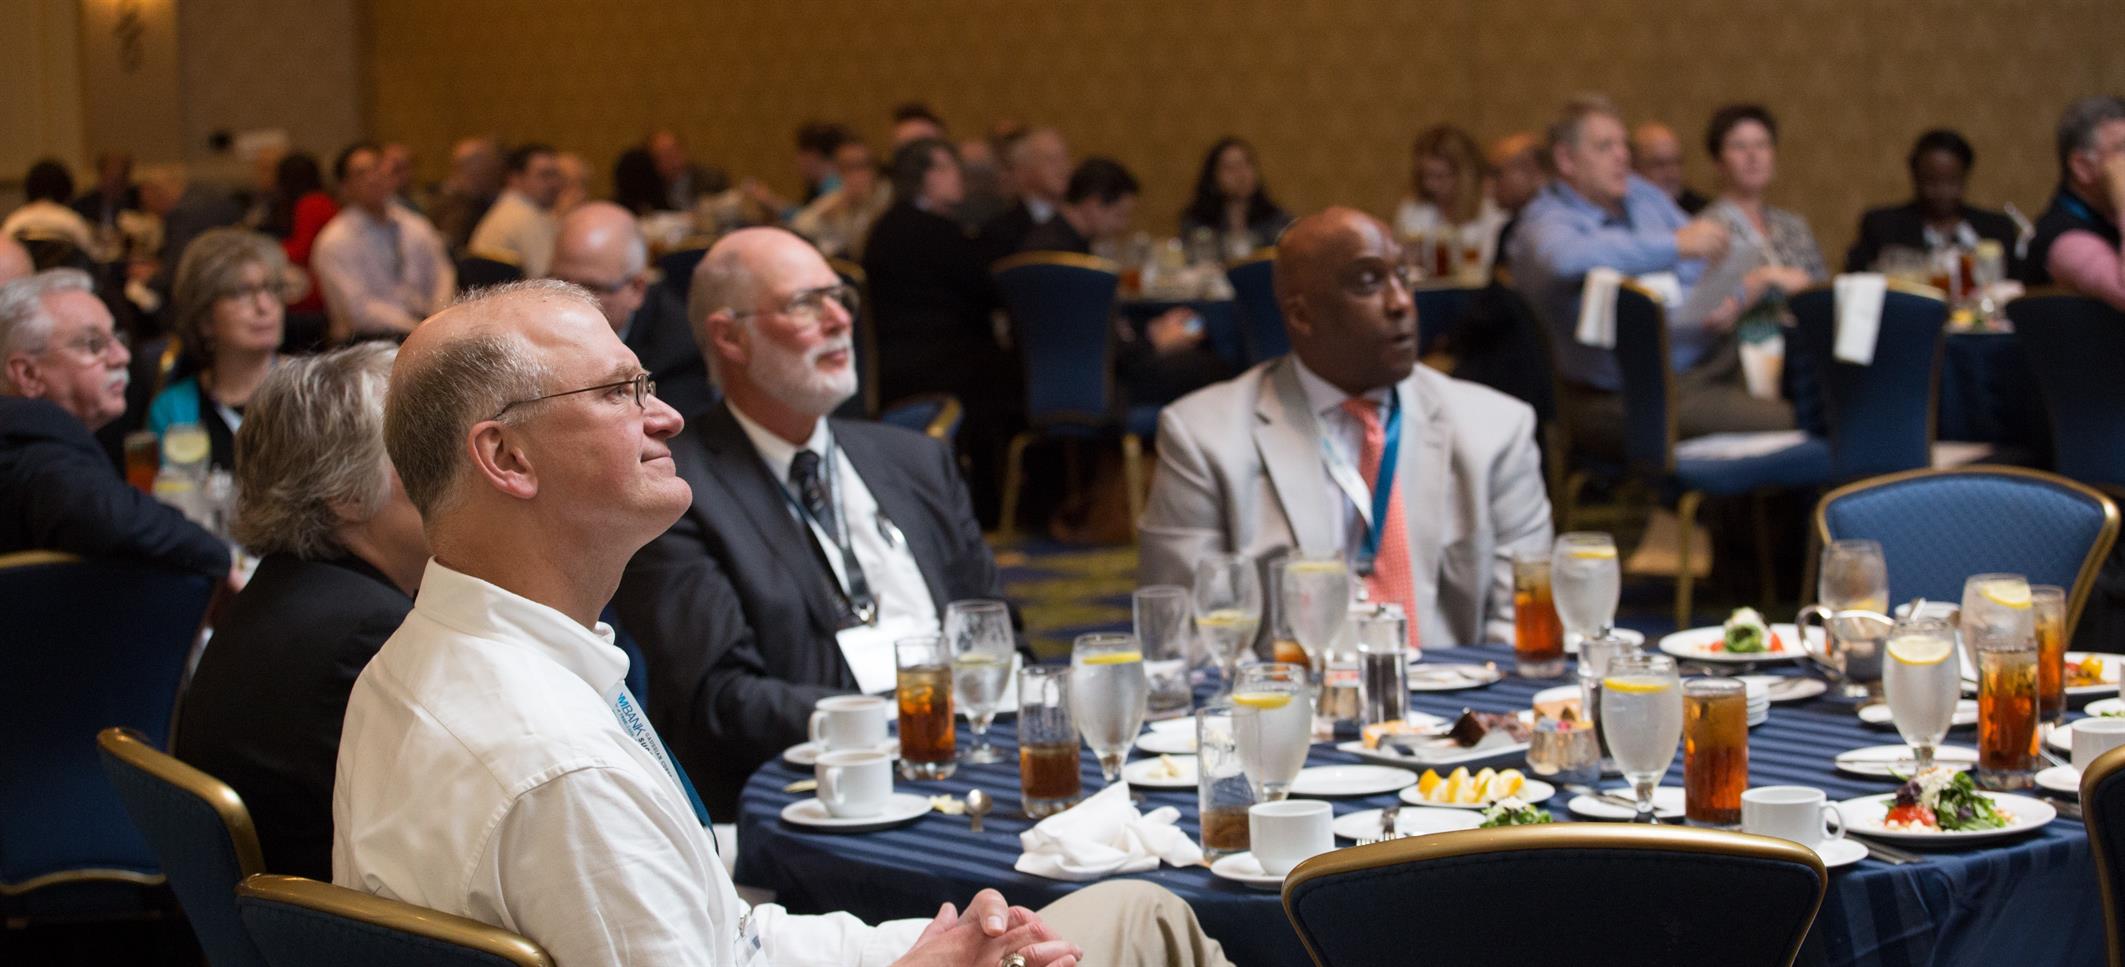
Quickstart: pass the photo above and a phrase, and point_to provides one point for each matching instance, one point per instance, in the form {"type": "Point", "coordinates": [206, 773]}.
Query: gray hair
{"type": "Point", "coordinates": [208, 272]}
{"type": "Point", "coordinates": [25, 322]}
{"type": "Point", "coordinates": [433, 403]}
{"type": "Point", "coordinates": [2077, 127]}
{"type": "Point", "coordinates": [310, 455]}
{"type": "Point", "coordinates": [1571, 119]}
{"type": "Point", "coordinates": [721, 281]}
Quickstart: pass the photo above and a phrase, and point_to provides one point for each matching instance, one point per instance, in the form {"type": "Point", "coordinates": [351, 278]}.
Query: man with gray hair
{"type": "Point", "coordinates": [62, 376]}
{"type": "Point", "coordinates": [538, 453]}
{"type": "Point", "coordinates": [2077, 240]}
{"type": "Point", "coordinates": [600, 248]}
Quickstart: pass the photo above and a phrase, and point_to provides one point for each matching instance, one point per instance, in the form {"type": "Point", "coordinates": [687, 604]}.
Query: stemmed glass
{"type": "Point", "coordinates": [1641, 715]}
{"type": "Point", "coordinates": [1273, 726]}
{"type": "Point", "coordinates": [1107, 691]}
{"type": "Point", "coordinates": [1585, 583]}
{"type": "Point", "coordinates": [978, 633]}
{"type": "Point", "coordinates": [1923, 682]}
{"type": "Point", "coordinates": [1316, 600]}
{"type": "Point", "coordinates": [1852, 576]}
{"type": "Point", "coordinates": [1228, 609]}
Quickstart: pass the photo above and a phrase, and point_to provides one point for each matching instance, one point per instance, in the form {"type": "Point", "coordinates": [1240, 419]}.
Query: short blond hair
{"type": "Point", "coordinates": [310, 454]}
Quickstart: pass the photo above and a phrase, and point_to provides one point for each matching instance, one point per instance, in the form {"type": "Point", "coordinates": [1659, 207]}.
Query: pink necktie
{"type": "Point", "coordinates": [1391, 578]}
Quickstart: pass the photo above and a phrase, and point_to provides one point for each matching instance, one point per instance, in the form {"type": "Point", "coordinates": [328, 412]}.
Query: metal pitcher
{"type": "Point", "coordinates": [1851, 650]}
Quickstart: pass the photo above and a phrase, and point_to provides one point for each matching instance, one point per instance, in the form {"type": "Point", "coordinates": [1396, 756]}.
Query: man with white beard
{"type": "Point", "coordinates": [811, 544]}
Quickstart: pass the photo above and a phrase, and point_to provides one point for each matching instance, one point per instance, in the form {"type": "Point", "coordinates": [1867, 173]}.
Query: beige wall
{"type": "Point", "coordinates": [129, 78]}
{"type": "Point", "coordinates": [1330, 90]}
{"type": "Point", "coordinates": [42, 74]}
{"type": "Point", "coordinates": [290, 65]}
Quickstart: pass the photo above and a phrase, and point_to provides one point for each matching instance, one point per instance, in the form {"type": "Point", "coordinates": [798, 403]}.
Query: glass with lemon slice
{"type": "Point", "coordinates": [1272, 724]}
{"type": "Point", "coordinates": [1107, 691]}
{"type": "Point", "coordinates": [1641, 716]}
{"type": "Point", "coordinates": [1923, 681]}
{"type": "Point", "coordinates": [1998, 624]}
{"type": "Point", "coordinates": [1585, 581]}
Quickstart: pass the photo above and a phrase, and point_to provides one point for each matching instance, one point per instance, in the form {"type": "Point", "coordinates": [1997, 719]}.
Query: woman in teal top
{"type": "Point", "coordinates": [228, 315]}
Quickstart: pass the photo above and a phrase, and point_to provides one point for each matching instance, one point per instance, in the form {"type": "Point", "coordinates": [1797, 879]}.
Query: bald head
{"type": "Point", "coordinates": [14, 260]}
{"type": "Point", "coordinates": [600, 248]}
{"type": "Point", "coordinates": [1656, 153]}
{"type": "Point", "coordinates": [776, 339]}
{"type": "Point", "coordinates": [1346, 307]}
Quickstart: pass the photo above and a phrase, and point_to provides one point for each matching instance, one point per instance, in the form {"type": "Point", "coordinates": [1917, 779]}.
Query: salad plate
{"type": "Point", "coordinates": [1883, 760]}
{"type": "Point", "coordinates": [1945, 808]}
{"type": "Point", "coordinates": [1708, 644]}
{"type": "Point", "coordinates": [2082, 681]}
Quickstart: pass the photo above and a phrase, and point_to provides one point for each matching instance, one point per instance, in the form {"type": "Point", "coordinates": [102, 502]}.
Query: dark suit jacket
{"type": "Point", "coordinates": [1006, 233]}
{"type": "Point", "coordinates": [930, 300]}
{"type": "Point", "coordinates": [737, 617]}
{"type": "Point", "coordinates": [59, 492]}
{"type": "Point", "coordinates": [1905, 225]}
{"type": "Point", "coordinates": [263, 711]}
{"type": "Point", "coordinates": [664, 342]}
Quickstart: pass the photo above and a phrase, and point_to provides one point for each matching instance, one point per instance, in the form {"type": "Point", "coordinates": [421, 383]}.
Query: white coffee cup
{"type": "Point", "coordinates": [1286, 832]}
{"type": "Point", "coordinates": [842, 722]}
{"type": "Point", "coordinates": [1797, 813]}
{"type": "Point", "coordinates": [2094, 736]}
{"type": "Point", "coordinates": [854, 784]}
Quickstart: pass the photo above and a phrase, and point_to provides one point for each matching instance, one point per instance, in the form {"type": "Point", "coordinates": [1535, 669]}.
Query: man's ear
{"type": "Point", "coordinates": [729, 340]}
{"type": "Point", "coordinates": [501, 461]}
{"type": "Point", "coordinates": [1297, 316]}
{"type": "Point", "coordinates": [22, 374]}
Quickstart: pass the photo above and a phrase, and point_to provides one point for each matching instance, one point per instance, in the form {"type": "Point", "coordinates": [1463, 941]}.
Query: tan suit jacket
{"type": "Point", "coordinates": [1240, 470]}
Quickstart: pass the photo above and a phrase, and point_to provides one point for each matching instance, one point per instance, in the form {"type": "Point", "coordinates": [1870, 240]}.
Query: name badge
{"type": "Point", "coordinates": [868, 649]}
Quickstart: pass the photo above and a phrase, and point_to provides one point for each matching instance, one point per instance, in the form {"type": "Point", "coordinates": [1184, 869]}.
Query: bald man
{"type": "Point", "coordinates": [14, 260]}
{"type": "Point", "coordinates": [600, 247]}
{"type": "Point", "coordinates": [1289, 456]}
{"type": "Point", "coordinates": [1656, 154]}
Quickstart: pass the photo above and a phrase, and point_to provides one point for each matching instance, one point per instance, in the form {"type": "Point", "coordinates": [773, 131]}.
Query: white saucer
{"type": "Point", "coordinates": [1878, 714]}
{"type": "Point", "coordinates": [2106, 706]}
{"type": "Point", "coordinates": [1840, 852]}
{"type": "Point", "coordinates": [1668, 803]}
{"type": "Point", "coordinates": [1244, 868]}
{"type": "Point", "coordinates": [1169, 741]}
{"type": "Point", "coordinates": [1880, 761]}
{"type": "Point", "coordinates": [806, 754]}
{"type": "Point", "coordinates": [1151, 773]}
{"type": "Point", "coordinates": [2064, 779]}
{"type": "Point", "coordinates": [1347, 780]}
{"type": "Point", "coordinates": [1789, 688]}
{"type": "Point", "coordinates": [1410, 821]}
{"type": "Point", "coordinates": [1451, 676]}
{"type": "Point", "coordinates": [2060, 739]}
{"type": "Point", "coordinates": [812, 813]}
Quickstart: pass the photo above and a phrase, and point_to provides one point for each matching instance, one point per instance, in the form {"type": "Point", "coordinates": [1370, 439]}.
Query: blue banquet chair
{"type": "Point", "coordinates": [303, 923]}
{"type": "Point", "coordinates": [2074, 345]}
{"type": "Point", "coordinates": [1439, 307]}
{"type": "Point", "coordinates": [1939, 527]}
{"type": "Point", "coordinates": [1883, 417]}
{"type": "Point", "coordinates": [201, 833]}
{"type": "Point", "coordinates": [2103, 813]}
{"type": "Point", "coordinates": [1354, 906]}
{"type": "Point", "coordinates": [1261, 319]}
{"type": "Point", "coordinates": [936, 415]}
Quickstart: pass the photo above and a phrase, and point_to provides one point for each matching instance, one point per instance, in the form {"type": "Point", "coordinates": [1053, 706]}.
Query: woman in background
{"type": "Point", "coordinates": [1231, 202]}
{"type": "Point", "coordinates": [228, 317]}
{"type": "Point", "coordinates": [1447, 197]}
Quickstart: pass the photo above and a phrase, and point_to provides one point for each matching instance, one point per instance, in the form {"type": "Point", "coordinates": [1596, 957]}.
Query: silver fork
{"type": "Point", "coordinates": [1387, 821]}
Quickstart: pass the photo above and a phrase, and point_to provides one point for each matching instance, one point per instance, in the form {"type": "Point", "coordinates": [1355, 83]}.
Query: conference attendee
{"type": "Point", "coordinates": [476, 173]}
{"type": "Point", "coordinates": [575, 182]}
{"type": "Point", "coordinates": [113, 193]}
{"type": "Point", "coordinates": [748, 609]}
{"type": "Point", "coordinates": [1516, 176]}
{"type": "Point", "coordinates": [1447, 202]}
{"type": "Point", "coordinates": [227, 314]}
{"type": "Point", "coordinates": [398, 167]}
{"type": "Point", "coordinates": [987, 193]}
{"type": "Point", "coordinates": [46, 188]}
{"type": "Point", "coordinates": [1656, 154]}
{"type": "Point", "coordinates": [680, 181]}
{"type": "Point", "coordinates": [62, 377]}
{"type": "Point", "coordinates": [601, 249]}
{"type": "Point", "coordinates": [341, 553]}
{"type": "Point", "coordinates": [1232, 202]}
{"type": "Point", "coordinates": [519, 229]}
{"type": "Point", "coordinates": [818, 143]}
{"type": "Point", "coordinates": [1037, 163]}
{"type": "Point", "coordinates": [1937, 216]}
{"type": "Point", "coordinates": [14, 260]}
{"type": "Point", "coordinates": [914, 121]}
{"type": "Point", "coordinates": [2077, 240]}
{"type": "Point", "coordinates": [1290, 456]}
{"type": "Point", "coordinates": [382, 267]}
{"type": "Point", "coordinates": [300, 185]}
{"type": "Point", "coordinates": [187, 208]}
{"type": "Point", "coordinates": [527, 436]}
{"type": "Point", "coordinates": [1743, 142]}
{"type": "Point", "coordinates": [1597, 214]}
{"type": "Point", "coordinates": [840, 220]}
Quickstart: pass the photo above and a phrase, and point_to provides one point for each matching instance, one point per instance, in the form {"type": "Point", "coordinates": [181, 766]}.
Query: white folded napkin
{"type": "Point", "coordinates": [1105, 835]}
{"type": "Point", "coordinates": [1859, 315]}
{"type": "Point", "coordinates": [1597, 308]}
{"type": "Point", "coordinates": [1738, 446]}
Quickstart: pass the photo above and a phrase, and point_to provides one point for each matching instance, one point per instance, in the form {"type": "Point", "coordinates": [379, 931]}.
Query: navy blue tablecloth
{"type": "Point", "coordinates": [2029, 900]}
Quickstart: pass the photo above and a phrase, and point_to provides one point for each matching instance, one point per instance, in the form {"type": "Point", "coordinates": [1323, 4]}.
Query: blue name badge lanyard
{"type": "Point", "coordinates": [1372, 507]}
{"type": "Point", "coordinates": [855, 590]}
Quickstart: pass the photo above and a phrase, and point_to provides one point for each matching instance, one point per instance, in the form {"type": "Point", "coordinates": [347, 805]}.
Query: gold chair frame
{"type": "Point", "coordinates": [404, 918]}
{"type": "Point", "coordinates": [2106, 878]}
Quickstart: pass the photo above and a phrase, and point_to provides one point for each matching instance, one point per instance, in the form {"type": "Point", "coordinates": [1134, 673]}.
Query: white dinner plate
{"type": "Point", "coordinates": [1864, 816]}
{"type": "Point", "coordinates": [1151, 773]}
{"type": "Point", "coordinates": [1840, 852]}
{"type": "Point", "coordinates": [1635, 638]}
{"type": "Point", "coordinates": [2107, 688]}
{"type": "Point", "coordinates": [1789, 688]}
{"type": "Point", "coordinates": [1409, 821]}
{"type": "Point", "coordinates": [1696, 644]}
{"type": "Point", "coordinates": [1881, 761]}
{"type": "Point", "coordinates": [1534, 791]}
{"type": "Point", "coordinates": [1668, 803]}
{"type": "Point", "coordinates": [2065, 779]}
{"type": "Point", "coordinates": [2060, 739]}
{"type": "Point", "coordinates": [1452, 676]}
{"type": "Point", "coordinates": [1348, 780]}
{"type": "Point", "coordinates": [812, 813]}
{"type": "Point", "coordinates": [1244, 868]}
{"type": "Point", "coordinates": [1878, 714]}
{"type": "Point", "coordinates": [804, 755]}
{"type": "Point", "coordinates": [1168, 741]}
{"type": "Point", "coordinates": [2108, 707]}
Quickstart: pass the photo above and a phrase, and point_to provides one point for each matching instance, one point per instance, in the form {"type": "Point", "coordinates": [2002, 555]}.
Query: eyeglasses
{"type": "Point", "coordinates": [809, 306]}
{"type": "Point", "coordinates": [642, 386]}
{"type": "Point", "coordinates": [95, 344]}
{"type": "Point", "coordinates": [252, 292]}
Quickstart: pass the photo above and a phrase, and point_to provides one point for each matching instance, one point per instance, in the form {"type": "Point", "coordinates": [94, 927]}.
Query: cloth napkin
{"type": "Point", "coordinates": [1105, 835]}
{"type": "Point", "coordinates": [1597, 308]}
{"type": "Point", "coordinates": [1738, 446]}
{"type": "Point", "coordinates": [1859, 315]}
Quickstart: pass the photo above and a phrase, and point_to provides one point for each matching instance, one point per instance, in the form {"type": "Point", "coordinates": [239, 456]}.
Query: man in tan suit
{"type": "Point", "coordinates": [1288, 455]}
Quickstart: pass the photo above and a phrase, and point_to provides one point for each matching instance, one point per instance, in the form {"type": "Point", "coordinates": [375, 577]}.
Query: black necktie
{"type": "Point", "coordinates": [808, 478]}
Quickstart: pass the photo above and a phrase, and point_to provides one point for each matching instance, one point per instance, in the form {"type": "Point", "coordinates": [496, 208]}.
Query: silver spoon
{"type": "Point", "coordinates": [978, 805]}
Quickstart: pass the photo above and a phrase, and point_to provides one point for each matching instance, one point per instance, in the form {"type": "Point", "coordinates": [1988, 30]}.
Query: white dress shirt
{"type": "Point", "coordinates": [1345, 437]}
{"type": "Point", "coordinates": [483, 772]}
{"type": "Point", "coordinates": [515, 229]}
{"type": "Point", "coordinates": [381, 275]}
{"type": "Point", "coordinates": [888, 565]}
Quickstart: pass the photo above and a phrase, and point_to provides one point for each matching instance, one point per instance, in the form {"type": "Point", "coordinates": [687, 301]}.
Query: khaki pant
{"type": "Point", "coordinates": [1132, 923]}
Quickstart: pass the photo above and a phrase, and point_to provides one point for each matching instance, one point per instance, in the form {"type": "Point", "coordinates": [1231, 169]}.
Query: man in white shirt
{"type": "Point", "coordinates": [521, 226]}
{"type": "Point", "coordinates": [492, 763]}
{"type": "Point", "coordinates": [382, 267]}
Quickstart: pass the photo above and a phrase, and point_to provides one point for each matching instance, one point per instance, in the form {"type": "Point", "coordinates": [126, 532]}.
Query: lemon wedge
{"type": "Point", "coordinates": [1113, 658]}
{"type": "Point", "coordinates": [1592, 553]}
{"type": "Point", "coordinates": [2006, 594]}
{"type": "Point", "coordinates": [1482, 782]}
{"type": "Point", "coordinates": [1261, 700]}
{"type": "Point", "coordinates": [1507, 783]}
{"type": "Point", "coordinates": [1457, 788]}
{"type": "Point", "coordinates": [1635, 684]}
{"type": "Point", "coordinates": [185, 446]}
{"type": "Point", "coordinates": [1920, 650]}
{"type": "Point", "coordinates": [1428, 783]}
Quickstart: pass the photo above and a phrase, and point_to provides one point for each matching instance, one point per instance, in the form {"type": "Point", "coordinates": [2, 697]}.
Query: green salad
{"type": "Point", "coordinates": [1513, 812]}
{"type": "Point", "coordinates": [1944, 800]}
{"type": "Point", "coordinates": [1746, 633]}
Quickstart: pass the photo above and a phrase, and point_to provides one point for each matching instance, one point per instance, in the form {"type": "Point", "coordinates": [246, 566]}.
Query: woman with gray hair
{"type": "Point", "coordinates": [343, 552]}
{"type": "Point", "coordinates": [228, 315]}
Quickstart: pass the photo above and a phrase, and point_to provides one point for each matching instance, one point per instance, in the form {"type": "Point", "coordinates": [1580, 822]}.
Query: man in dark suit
{"type": "Point", "coordinates": [811, 543]}
{"type": "Point", "coordinates": [62, 375]}
{"type": "Point", "coordinates": [1038, 164]}
{"type": "Point", "coordinates": [601, 249]}
{"type": "Point", "coordinates": [1936, 216]}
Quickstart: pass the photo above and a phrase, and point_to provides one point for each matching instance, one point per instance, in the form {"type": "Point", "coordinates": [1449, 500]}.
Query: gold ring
{"type": "Point", "coordinates": [1012, 960]}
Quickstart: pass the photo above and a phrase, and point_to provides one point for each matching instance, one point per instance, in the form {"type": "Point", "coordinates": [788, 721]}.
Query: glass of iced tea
{"type": "Point", "coordinates": [1998, 627]}
{"type": "Point", "coordinates": [143, 457]}
{"type": "Point", "coordinates": [1715, 749]}
{"type": "Point", "coordinates": [1538, 637]}
{"type": "Point", "coordinates": [1050, 775]}
{"type": "Point", "coordinates": [927, 742]}
{"type": "Point", "coordinates": [1223, 793]}
{"type": "Point", "coordinates": [2048, 603]}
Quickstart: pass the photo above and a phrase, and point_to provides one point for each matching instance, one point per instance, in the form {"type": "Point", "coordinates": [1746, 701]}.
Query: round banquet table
{"type": "Point", "coordinates": [2033, 899]}
{"type": "Point", "coordinates": [1988, 394]}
